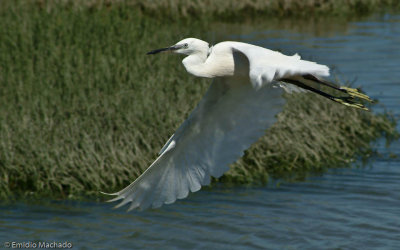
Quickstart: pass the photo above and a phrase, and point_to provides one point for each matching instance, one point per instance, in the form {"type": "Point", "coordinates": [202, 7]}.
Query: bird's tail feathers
{"type": "Point", "coordinates": [349, 100]}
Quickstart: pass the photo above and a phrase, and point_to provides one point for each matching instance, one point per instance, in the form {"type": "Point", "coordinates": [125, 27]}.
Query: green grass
{"type": "Point", "coordinates": [232, 9]}
{"type": "Point", "coordinates": [83, 109]}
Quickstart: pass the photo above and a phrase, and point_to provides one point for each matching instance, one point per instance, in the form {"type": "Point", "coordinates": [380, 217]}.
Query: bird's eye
{"type": "Point", "coordinates": [186, 45]}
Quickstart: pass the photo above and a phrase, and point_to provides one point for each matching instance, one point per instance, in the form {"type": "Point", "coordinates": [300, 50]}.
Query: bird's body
{"type": "Point", "coordinates": [223, 60]}
{"type": "Point", "coordinates": [238, 107]}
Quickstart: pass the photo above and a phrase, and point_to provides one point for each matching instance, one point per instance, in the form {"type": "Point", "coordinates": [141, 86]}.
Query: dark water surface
{"type": "Point", "coordinates": [355, 208]}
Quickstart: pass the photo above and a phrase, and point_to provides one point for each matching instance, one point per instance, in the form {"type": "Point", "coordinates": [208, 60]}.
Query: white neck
{"type": "Point", "coordinates": [195, 64]}
{"type": "Point", "coordinates": [217, 64]}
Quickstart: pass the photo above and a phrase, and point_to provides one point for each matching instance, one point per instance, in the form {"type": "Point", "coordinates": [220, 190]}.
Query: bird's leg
{"type": "Point", "coordinates": [350, 91]}
{"type": "Point", "coordinates": [347, 101]}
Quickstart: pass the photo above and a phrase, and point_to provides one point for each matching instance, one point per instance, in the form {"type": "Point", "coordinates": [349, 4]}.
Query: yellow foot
{"type": "Point", "coordinates": [354, 105]}
{"type": "Point", "coordinates": [356, 93]}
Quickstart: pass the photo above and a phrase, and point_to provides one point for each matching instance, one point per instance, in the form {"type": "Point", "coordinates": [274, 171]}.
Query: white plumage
{"type": "Point", "coordinates": [239, 106]}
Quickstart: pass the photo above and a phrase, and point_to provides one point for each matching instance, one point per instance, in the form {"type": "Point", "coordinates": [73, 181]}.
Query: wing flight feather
{"type": "Point", "coordinates": [231, 116]}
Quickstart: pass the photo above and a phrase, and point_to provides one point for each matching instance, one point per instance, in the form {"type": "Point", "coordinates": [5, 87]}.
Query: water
{"type": "Point", "coordinates": [356, 208]}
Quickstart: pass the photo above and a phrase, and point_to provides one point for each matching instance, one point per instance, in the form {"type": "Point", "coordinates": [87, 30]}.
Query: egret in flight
{"type": "Point", "coordinates": [238, 107]}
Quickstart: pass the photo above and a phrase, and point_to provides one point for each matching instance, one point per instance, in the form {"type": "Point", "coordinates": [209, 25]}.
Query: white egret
{"type": "Point", "coordinates": [239, 106]}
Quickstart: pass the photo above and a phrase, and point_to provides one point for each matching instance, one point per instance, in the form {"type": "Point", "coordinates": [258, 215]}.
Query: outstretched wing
{"type": "Point", "coordinates": [268, 65]}
{"type": "Point", "coordinates": [231, 116]}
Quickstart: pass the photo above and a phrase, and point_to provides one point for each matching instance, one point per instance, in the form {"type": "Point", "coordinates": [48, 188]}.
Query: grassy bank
{"type": "Point", "coordinates": [82, 108]}
{"type": "Point", "coordinates": [232, 9]}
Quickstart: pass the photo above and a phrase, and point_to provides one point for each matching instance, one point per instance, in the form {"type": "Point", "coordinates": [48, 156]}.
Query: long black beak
{"type": "Point", "coordinates": [157, 51]}
{"type": "Point", "coordinates": [175, 47]}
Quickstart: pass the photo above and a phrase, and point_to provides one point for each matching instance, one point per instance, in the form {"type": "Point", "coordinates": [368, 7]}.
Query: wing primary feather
{"type": "Point", "coordinates": [120, 194]}
{"type": "Point", "coordinates": [166, 145]}
{"type": "Point", "coordinates": [153, 196]}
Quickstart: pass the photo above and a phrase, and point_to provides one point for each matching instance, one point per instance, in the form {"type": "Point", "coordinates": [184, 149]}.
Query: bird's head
{"type": "Point", "coordinates": [187, 46]}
